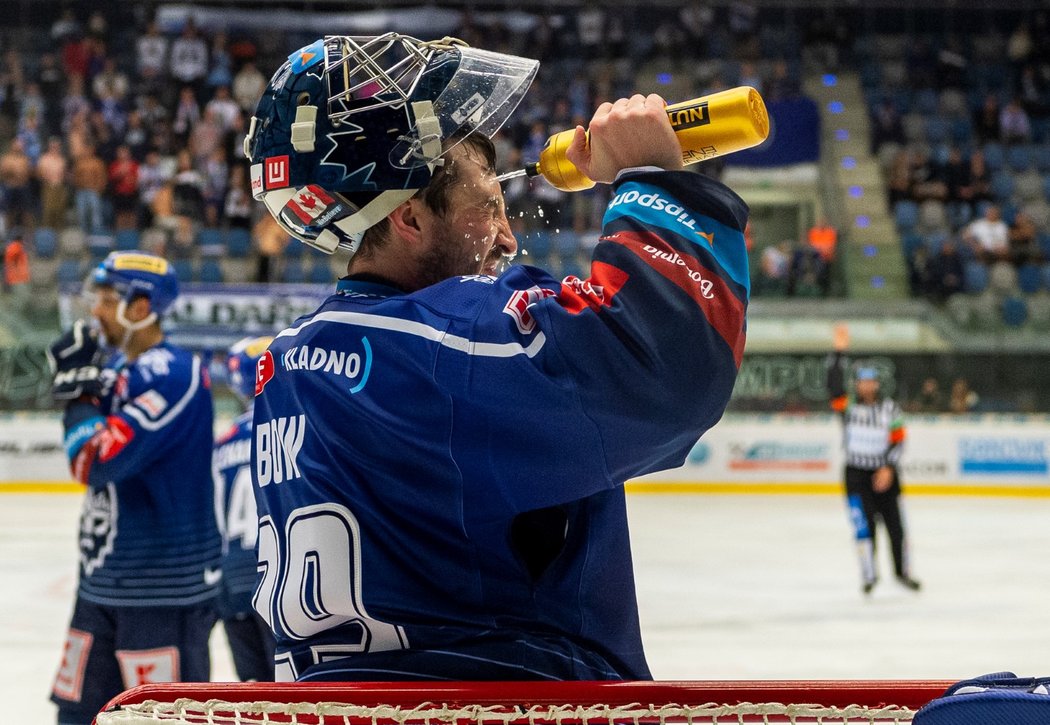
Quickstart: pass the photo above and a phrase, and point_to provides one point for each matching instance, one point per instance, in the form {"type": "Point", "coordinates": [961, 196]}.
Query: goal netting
{"type": "Point", "coordinates": [520, 703]}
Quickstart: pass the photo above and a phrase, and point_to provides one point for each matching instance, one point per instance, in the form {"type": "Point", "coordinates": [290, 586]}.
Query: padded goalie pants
{"type": "Point", "coordinates": [866, 508]}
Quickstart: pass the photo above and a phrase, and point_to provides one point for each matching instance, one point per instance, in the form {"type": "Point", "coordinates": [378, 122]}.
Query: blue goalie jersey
{"type": "Point", "coordinates": [149, 534]}
{"type": "Point", "coordinates": [440, 474]}
{"type": "Point", "coordinates": [233, 481]}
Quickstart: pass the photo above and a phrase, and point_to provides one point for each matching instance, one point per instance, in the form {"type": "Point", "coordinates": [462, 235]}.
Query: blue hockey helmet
{"type": "Point", "coordinates": [352, 126]}
{"type": "Point", "coordinates": [240, 364]}
{"type": "Point", "coordinates": [136, 274]}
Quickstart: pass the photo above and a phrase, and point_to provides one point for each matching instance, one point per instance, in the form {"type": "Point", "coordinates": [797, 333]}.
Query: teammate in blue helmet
{"type": "Point", "coordinates": [439, 452]}
{"type": "Point", "coordinates": [138, 430]}
{"type": "Point", "coordinates": [250, 638]}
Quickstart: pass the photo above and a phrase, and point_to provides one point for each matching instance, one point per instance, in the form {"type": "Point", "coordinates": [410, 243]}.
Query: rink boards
{"type": "Point", "coordinates": [985, 454]}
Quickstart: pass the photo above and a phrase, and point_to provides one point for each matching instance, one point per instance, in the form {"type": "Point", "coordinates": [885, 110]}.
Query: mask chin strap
{"type": "Point", "coordinates": [129, 326]}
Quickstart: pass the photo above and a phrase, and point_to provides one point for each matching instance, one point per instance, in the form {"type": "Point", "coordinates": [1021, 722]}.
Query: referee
{"type": "Point", "coordinates": [873, 435]}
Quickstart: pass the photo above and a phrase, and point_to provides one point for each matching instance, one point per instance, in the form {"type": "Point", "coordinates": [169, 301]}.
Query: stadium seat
{"type": "Point", "coordinates": [1028, 185]}
{"type": "Point", "coordinates": [293, 272]}
{"type": "Point", "coordinates": [238, 242]}
{"type": "Point", "coordinates": [1039, 311]}
{"type": "Point", "coordinates": [994, 157]}
{"type": "Point", "coordinates": [1029, 278]}
{"type": "Point", "coordinates": [1039, 212]}
{"type": "Point", "coordinates": [1002, 278]}
{"type": "Point", "coordinates": [914, 127]}
{"type": "Point", "coordinates": [906, 215]}
{"type": "Point", "coordinates": [126, 240]}
{"type": "Point", "coordinates": [211, 271]}
{"type": "Point", "coordinates": [45, 242]}
{"type": "Point", "coordinates": [1019, 157]}
{"type": "Point", "coordinates": [932, 216]}
{"type": "Point", "coordinates": [975, 277]}
{"type": "Point", "coordinates": [320, 272]}
{"type": "Point", "coordinates": [1045, 271]}
{"type": "Point", "coordinates": [1002, 185]}
{"type": "Point", "coordinates": [210, 241]}
{"type": "Point", "coordinates": [1015, 311]}
{"type": "Point", "coordinates": [962, 130]}
{"type": "Point", "coordinates": [1041, 156]}
{"type": "Point", "coordinates": [70, 271]}
{"type": "Point", "coordinates": [99, 245]}
{"type": "Point", "coordinates": [910, 242]}
{"type": "Point", "coordinates": [937, 129]}
{"type": "Point", "coordinates": [71, 242]}
{"type": "Point", "coordinates": [183, 270]}
{"type": "Point", "coordinates": [536, 245]}
{"type": "Point", "coordinates": [294, 248]}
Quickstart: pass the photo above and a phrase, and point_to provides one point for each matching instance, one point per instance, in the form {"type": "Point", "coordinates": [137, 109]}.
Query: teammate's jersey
{"type": "Point", "coordinates": [437, 468]}
{"type": "Point", "coordinates": [148, 534]}
{"type": "Point", "coordinates": [240, 522]}
{"type": "Point", "coordinates": [873, 433]}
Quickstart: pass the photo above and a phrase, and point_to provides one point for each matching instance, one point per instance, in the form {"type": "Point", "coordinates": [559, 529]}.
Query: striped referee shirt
{"type": "Point", "coordinates": [873, 432]}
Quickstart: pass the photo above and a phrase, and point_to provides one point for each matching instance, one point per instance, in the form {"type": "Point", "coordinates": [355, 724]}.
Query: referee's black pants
{"type": "Point", "coordinates": [874, 506]}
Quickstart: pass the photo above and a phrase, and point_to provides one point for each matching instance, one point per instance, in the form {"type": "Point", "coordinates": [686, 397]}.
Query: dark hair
{"type": "Point", "coordinates": [435, 194]}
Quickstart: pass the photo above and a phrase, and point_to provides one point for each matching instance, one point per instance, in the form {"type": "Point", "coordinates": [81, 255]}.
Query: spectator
{"type": "Point", "coordinates": [824, 237]}
{"type": "Point", "coordinates": [111, 82]}
{"type": "Point", "coordinates": [1014, 124]}
{"type": "Point", "coordinates": [65, 26]}
{"type": "Point", "coordinates": [187, 199]}
{"type": "Point", "coordinates": [16, 271]}
{"type": "Point", "coordinates": [989, 236]}
{"type": "Point", "coordinates": [922, 275]}
{"type": "Point", "coordinates": [136, 136]}
{"type": "Point", "coordinates": [151, 58]}
{"type": "Point", "coordinates": [223, 108]}
{"type": "Point", "coordinates": [89, 184]}
{"type": "Point", "coordinates": [52, 83]}
{"type": "Point", "coordinates": [152, 178]}
{"type": "Point", "coordinates": [238, 205]}
{"type": "Point", "coordinates": [809, 273]}
{"type": "Point", "coordinates": [33, 103]}
{"type": "Point", "coordinates": [54, 190]}
{"type": "Point", "coordinates": [248, 87]}
{"type": "Point", "coordinates": [930, 398]}
{"type": "Point", "coordinates": [962, 399]}
{"type": "Point", "coordinates": [216, 173]}
{"type": "Point", "coordinates": [774, 268]}
{"type": "Point", "coordinates": [187, 114]}
{"type": "Point", "coordinates": [886, 125]}
{"type": "Point", "coordinates": [927, 177]}
{"type": "Point", "coordinates": [16, 175]}
{"type": "Point", "coordinates": [124, 188]}
{"type": "Point", "coordinates": [948, 269]}
{"type": "Point", "coordinates": [221, 70]}
{"type": "Point", "coordinates": [205, 138]}
{"type": "Point", "coordinates": [1024, 240]}
{"type": "Point", "coordinates": [189, 59]}
{"type": "Point", "coordinates": [29, 135]}
{"type": "Point", "coordinates": [986, 119]}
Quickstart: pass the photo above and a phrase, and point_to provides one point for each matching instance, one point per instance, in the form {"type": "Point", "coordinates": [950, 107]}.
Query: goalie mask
{"type": "Point", "coordinates": [351, 127]}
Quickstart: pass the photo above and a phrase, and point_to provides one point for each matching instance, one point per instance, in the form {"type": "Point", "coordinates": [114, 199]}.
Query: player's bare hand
{"type": "Point", "coordinates": [631, 132]}
{"type": "Point", "coordinates": [882, 479]}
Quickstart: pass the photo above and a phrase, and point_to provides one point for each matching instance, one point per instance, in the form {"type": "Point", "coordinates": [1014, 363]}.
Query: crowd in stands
{"type": "Point", "coordinates": [963, 136]}
{"type": "Point", "coordinates": [119, 134]}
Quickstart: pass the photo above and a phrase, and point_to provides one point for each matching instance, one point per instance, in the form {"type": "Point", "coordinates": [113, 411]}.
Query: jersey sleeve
{"type": "Point", "coordinates": [142, 430]}
{"type": "Point", "coordinates": [630, 366]}
{"type": "Point", "coordinates": [897, 434]}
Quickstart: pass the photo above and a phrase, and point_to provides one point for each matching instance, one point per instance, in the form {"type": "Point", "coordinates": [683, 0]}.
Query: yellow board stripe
{"type": "Point", "coordinates": [919, 489]}
{"type": "Point", "coordinates": [686, 487]}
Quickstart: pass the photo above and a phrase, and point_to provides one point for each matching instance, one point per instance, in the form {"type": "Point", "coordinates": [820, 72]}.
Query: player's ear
{"type": "Point", "coordinates": [138, 309]}
{"type": "Point", "coordinates": [407, 220]}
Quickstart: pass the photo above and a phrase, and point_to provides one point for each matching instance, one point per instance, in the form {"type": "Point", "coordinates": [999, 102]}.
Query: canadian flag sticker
{"type": "Point", "coordinates": [276, 172]}
{"type": "Point", "coordinates": [309, 203]}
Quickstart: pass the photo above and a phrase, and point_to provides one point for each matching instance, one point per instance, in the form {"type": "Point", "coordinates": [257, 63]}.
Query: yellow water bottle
{"type": "Point", "coordinates": [709, 126]}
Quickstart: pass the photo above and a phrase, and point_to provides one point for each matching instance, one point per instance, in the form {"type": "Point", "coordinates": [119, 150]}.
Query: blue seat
{"type": "Point", "coordinates": [538, 245]}
{"type": "Point", "coordinates": [1044, 245]}
{"type": "Point", "coordinates": [126, 240]}
{"type": "Point", "coordinates": [294, 248]}
{"type": "Point", "coordinates": [937, 129]}
{"type": "Point", "coordinates": [1015, 311]}
{"type": "Point", "coordinates": [99, 245]}
{"type": "Point", "coordinates": [962, 130]}
{"type": "Point", "coordinates": [69, 271]}
{"type": "Point", "coordinates": [211, 272]}
{"type": "Point", "coordinates": [320, 272]}
{"type": "Point", "coordinates": [975, 276]}
{"type": "Point", "coordinates": [1002, 185]}
{"type": "Point", "coordinates": [906, 215]}
{"type": "Point", "coordinates": [1045, 271]}
{"type": "Point", "coordinates": [1041, 157]}
{"type": "Point", "coordinates": [238, 242]}
{"type": "Point", "coordinates": [45, 242]}
{"type": "Point", "coordinates": [210, 241]}
{"type": "Point", "coordinates": [1019, 157]}
{"type": "Point", "coordinates": [1029, 278]}
{"type": "Point", "coordinates": [994, 156]}
{"type": "Point", "coordinates": [293, 273]}
{"type": "Point", "coordinates": [183, 270]}
{"type": "Point", "coordinates": [910, 242]}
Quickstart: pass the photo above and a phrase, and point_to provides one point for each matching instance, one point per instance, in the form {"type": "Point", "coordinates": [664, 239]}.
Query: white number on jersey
{"type": "Point", "coordinates": [311, 580]}
{"type": "Point", "coordinates": [241, 518]}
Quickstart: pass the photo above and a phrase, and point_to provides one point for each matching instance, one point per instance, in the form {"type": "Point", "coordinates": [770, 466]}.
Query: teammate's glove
{"type": "Point", "coordinates": [76, 362]}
